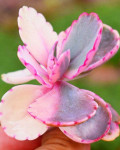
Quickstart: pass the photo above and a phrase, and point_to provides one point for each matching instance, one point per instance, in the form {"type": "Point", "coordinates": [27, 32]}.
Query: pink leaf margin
{"type": "Point", "coordinates": [92, 52]}
{"type": "Point", "coordinates": [32, 69]}
{"type": "Point", "coordinates": [109, 122]}
{"type": "Point", "coordinates": [109, 54]}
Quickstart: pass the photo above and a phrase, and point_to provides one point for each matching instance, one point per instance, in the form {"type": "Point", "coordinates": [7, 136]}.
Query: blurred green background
{"type": "Point", "coordinates": [104, 81]}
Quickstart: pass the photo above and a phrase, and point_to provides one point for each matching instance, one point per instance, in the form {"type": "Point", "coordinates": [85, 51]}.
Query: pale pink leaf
{"type": "Point", "coordinates": [15, 119]}
{"type": "Point", "coordinates": [36, 33]}
{"type": "Point", "coordinates": [17, 77]}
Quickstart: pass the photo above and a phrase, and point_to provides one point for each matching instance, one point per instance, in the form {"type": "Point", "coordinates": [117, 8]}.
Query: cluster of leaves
{"type": "Point", "coordinates": [52, 60]}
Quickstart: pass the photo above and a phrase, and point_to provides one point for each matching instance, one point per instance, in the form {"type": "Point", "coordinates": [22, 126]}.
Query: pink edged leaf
{"type": "Point", "coordinates": [33, 66]}
{"type": "Point", "coordinates": [115, 115]}
{"type": "Point", "coordinates": [113, 133]}
{"type": "Point", "coordinates": [94, 128]}
{"type": "Point", "coordinates": [51, 59]}
{"type": "Point", "coordinates": [60, 67]}
{"type": "Point", "coordinates": [17, 77]}
{"type": "Point", "coordinates": [61, 37]}
{"type": "Point", "coordinates": [108, 47]}
{"type": "Point", "coordinates": [82, 40]}
{"type": "Point", "coordinates": [15, 119]}
{"type": "Point", "coordinates": [56, 67]}
{"type": "Point", "coordinates": [36, 33]}
{"type": "Point", "coordinates": [64, 105]}
{"type": "Point", "coordinates": [81, 75]}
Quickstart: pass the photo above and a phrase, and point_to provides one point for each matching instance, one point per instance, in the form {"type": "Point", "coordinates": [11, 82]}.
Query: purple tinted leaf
{"type": "Point", "coordinates": [94, 128]}
{"type": "Point", "coordinates": [109, 45]}
{"type": "Point", "coordinates": [63, 105]}
{"type": "Point", "coordinates": [113, 133]}
{"type": "Point", "coordinates": [82, 40]}
{"type": "Point", "coordinates": [115, 115]}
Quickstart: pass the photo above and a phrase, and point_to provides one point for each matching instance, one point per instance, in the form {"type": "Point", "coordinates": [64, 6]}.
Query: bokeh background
{"type": "Point", "coordinates": [104, 81]}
